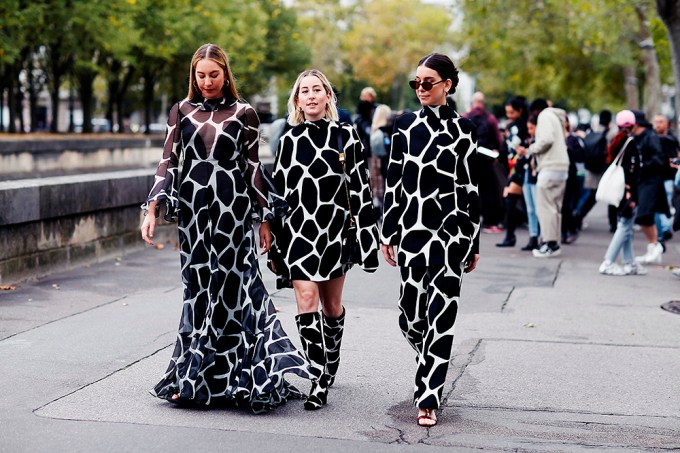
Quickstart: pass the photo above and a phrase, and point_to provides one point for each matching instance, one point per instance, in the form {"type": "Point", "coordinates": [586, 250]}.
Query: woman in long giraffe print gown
{"type": "Point", "coordinates": [230, 347]}
{"type": "Point", "coordinates": [432, 216]}
{"type": "Point", "coordinates": [309, 174]}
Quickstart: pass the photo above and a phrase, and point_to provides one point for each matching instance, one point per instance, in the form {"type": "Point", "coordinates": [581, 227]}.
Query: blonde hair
{"type": "Point", "coordinates": [380, 116]}
{"type": "Point", "coordinates": [295, 114]}
{"type": "Point", "coordinates": [214, 53]}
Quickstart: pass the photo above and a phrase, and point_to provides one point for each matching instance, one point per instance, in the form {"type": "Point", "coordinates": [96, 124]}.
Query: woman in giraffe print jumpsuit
{"type": "Point", "coordinates": [317, 186]}
{"type": "Point", "coordinates": [230, 347]}
{"type": "Point", "coordinates": [432, 217]}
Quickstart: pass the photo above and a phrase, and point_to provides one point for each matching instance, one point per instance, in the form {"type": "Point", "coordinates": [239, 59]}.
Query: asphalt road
{"type": "Point", "coordinates": [548, 356]}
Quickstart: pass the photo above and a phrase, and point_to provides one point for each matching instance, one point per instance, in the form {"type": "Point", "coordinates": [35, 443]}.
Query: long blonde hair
{"type": "Point", "coordinates": [295, 115]}
{"type": "Point", "coordinates": [215, 53]}
{"type": "Point", "coordinates": [380, 116]}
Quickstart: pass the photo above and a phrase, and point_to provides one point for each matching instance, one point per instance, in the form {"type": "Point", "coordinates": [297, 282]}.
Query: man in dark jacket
{"type": "Point", "coordinates": [492, 175]}
{"type": "Point", "coordinates": [669, 145]}
{"type": "Point", "coordinates": [651, 193]}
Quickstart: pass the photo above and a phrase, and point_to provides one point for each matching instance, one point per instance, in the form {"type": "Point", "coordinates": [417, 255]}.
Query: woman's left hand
{"type": "Point", "coordinates": [265, 237]}
{"type": "Point", "coordinates": [470, 265]}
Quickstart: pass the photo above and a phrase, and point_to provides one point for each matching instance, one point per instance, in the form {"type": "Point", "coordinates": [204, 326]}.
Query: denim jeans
{"type": "Point", "coordinates": [529, 192]}
{"type": "Point", "coordinates": [622, 241]}
{"type": "Point", "coordinates": [663, 222]}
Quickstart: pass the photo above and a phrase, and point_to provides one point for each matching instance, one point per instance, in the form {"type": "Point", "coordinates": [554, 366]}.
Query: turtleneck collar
{"type": "Point", "coordinates": [442, 112]}
{"type": "Point", "coordinates": [319, 124]}
{"type": "Point", "coordinates": [210, 105]}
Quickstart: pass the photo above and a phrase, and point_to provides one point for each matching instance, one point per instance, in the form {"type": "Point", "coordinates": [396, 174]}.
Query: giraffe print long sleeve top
{"type": "Point", "coordinates": [431, 198]}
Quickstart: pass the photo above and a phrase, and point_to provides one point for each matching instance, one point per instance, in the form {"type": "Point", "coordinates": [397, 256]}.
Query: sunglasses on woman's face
{"type": "Point", "coordinates": [427, 86]}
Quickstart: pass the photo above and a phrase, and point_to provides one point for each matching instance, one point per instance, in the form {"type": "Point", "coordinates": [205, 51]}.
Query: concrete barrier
{"type": "Point", "coordinates": [53, 223]}
{"type": "Point", "coordinates": [49, 154]}
{"type": "Point", "coordinates": [49, 224]}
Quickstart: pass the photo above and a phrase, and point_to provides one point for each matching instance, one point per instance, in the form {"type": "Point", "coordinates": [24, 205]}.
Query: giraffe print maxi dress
{"type": "Point", "coordinates": [309, 175]}
{"type": "Point", "coordinates": [230, 347]}
{"type": "Point", "coordinates": [432, 215]}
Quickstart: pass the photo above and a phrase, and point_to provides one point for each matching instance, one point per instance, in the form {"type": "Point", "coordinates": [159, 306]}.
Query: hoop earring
{"type": "Point", "coordinates": [226, 83]}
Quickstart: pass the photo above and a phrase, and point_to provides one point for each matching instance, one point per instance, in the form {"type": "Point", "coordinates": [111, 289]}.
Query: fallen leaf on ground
{"type": "Point", "coordinates": [7, 288]}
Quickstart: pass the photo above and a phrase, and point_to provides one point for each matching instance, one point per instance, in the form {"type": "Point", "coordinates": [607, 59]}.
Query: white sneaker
{"type": "Point", "coordinates": [634, 269]}
{"type": "Point", "coordinates": [609, 268]}
{"type": "Point", "coordinates": [546, 252]}
{"type": "Point", "coordinates": [676, 271]}
{"type": "Point", "coordinates": [653, 255]}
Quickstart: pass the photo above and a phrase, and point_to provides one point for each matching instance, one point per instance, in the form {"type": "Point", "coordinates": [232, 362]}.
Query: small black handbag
{"type": "Point", "coordinates": [275, 261]}
{"type": "Point", "coordinates": [351, 249]}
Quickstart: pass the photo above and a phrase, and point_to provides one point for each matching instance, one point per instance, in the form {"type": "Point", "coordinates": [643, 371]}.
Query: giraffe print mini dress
{"type": "Point", "coordinates": [310, 176]}
{"type": "Point", "coordinates": [230, 346]}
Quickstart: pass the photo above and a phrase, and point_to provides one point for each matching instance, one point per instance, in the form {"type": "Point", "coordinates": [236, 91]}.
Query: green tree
{"type": "Point", "coordinates": [578, 52]}
{"type": "Point", "coordinates": [384, 44]}
{"type": "Point", "coordinates": [669, 11]}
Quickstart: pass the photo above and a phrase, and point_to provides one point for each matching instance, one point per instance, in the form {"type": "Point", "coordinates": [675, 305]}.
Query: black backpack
{"type": "Point", "coordinates": [595, 151]}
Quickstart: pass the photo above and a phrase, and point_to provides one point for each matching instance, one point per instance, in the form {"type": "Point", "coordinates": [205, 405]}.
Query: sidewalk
{"type": "Point", "coordinates": [549, 355]}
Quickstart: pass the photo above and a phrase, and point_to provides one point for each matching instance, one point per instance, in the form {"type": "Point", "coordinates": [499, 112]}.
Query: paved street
{"type": "Point", "coordinates": [549, 356]}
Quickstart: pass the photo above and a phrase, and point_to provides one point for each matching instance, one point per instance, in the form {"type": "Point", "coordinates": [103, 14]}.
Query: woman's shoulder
{"type": "Point", "coordinates": [466, 125]}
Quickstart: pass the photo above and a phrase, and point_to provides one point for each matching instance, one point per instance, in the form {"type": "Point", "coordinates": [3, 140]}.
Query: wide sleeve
{"type": "Point", "coordinates": [267, 203]}
{"type": "Point", "coordinates": [361, 200]}
{"type": "Point", "coordinates": [391, 232]}
{"type": "Point", "coordinates": [164, 189]}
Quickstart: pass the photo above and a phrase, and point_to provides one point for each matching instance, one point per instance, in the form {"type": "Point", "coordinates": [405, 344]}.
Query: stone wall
{"type": "Point", "coordinates": [22, 157]}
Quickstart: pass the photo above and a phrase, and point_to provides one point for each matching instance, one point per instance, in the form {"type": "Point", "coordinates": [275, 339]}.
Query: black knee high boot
{"type": "Point", "coordinates": [332, 337]}
{"type": "Point", "coordinates": [311, 336]}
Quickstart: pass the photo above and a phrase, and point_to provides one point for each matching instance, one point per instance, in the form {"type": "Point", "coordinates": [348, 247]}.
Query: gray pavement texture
{"type": "Point", "coordinates": [549, 356]}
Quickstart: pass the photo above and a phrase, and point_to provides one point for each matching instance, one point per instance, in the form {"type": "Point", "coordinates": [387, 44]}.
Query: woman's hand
{"type": "Point", "coordinates": [149, 223]}
{"type": "Point", "coordinates": [471, 264]}
{"type": "Point", "coordinates": [388, 253]}
{"type": "Point", "coordinates": [265, 237]}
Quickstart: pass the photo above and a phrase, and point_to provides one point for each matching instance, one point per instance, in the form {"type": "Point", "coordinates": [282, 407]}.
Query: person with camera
{"type": "Point", "coordinates": [431, 223]}
{"type": "Point", "coordinates": [321, 172]}
{"type": "Point", "coordinates": [230, 347]}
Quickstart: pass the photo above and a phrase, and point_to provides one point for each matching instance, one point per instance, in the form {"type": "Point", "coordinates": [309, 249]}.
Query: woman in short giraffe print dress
{"type": "Point", "coordinates": [310, 174]}
{"type": "Point", "coordinates": [230, 347]}
{"type": "Point", "coordinates": [432, 216]}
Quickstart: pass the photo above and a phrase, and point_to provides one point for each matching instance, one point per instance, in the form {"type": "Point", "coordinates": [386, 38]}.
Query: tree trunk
{"type": "Point", "coordinates": [86, 93]}
{"type": "Point", "coordinates": [11, 99]}
{"type": "Point", "coordinates": [148, 99]}
{"type": "Point", "coordinates": [652, 92]}
{"type": "Point", "coordinates": [669, 11]}
{"type": "Point", "coordinates": [631, 87]}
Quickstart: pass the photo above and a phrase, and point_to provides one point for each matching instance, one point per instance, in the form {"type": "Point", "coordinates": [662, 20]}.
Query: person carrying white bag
{"type": "Point", "coordinates": [626, 164]}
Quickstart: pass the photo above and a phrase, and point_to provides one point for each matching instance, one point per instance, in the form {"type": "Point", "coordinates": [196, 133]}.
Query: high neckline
{"type": "Point", "coordinates": [319, 124]}
{"type": "Point", "coordinates": [210, 105]}
{"type": "Point", "coordinates": [442, 112]}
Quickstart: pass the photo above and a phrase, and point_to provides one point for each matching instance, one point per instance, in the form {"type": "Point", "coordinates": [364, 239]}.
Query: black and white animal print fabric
{"type": "Point", "coordinates": [431, 197]}
{"type": "Point", "coordinates": [432, 214]}
{"type": "Point", "coordinates": [230, 347]}
{"type": "Point", "coordinates": [309, 175]}
{"type": "Point", "coordinates": [428, 302]}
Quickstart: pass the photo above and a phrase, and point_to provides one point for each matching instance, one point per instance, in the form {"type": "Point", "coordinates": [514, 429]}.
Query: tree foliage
{"type": "Point", "coordinates": [570, 51]}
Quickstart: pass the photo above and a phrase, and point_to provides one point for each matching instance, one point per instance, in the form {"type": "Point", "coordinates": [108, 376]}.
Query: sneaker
{"type": "Point", "coordinates": [610, 268]}
{"type": "Point", "coordinates": [653, 255]}
{"type": "Point", "coordinates": [634, 269]}
{"type": "Point", "coordinates": [676, 271]}
{"type": "Point", "coordinates": [546, 251]}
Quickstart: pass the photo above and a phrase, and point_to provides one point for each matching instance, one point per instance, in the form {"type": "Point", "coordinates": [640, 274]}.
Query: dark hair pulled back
{"type": "Point", "coordinates": [444, 67]}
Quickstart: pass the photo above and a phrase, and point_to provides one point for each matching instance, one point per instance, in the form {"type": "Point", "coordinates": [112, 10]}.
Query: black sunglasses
{"type": "Point", "coordinates": [427, 86]}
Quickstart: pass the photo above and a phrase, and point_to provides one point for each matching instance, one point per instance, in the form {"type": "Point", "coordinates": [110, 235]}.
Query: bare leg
{"type": "Point", "coordinates": [331, 296]}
